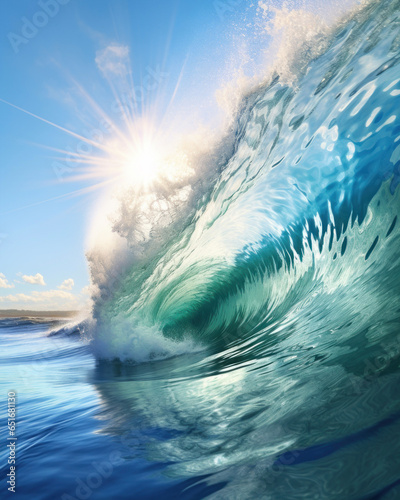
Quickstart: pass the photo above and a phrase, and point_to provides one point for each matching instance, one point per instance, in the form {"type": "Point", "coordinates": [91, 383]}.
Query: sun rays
{"type": "Point", "coordinates": [127, 150]}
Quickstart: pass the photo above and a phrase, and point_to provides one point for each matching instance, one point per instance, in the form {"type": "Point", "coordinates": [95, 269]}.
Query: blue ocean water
{"type": "Point", "coordinates": [256, 352]}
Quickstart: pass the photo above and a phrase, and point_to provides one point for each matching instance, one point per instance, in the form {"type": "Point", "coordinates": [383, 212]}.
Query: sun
{"type": "Point", "coordinates": [136, 155]}
{"type": "Point", "coordinates": [134, 158]}
{"type": "Point", "coordinates": [142, 165]}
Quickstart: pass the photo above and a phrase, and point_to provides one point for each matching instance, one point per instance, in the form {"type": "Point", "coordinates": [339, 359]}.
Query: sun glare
{"type": "Point", "coordinates": [142, 165]}
{"type": "Point", "coordinates": [129, 153]}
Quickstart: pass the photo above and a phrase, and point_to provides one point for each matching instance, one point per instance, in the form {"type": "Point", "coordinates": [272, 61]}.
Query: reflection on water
{"type": "Point", "coordinates": [257, 430]}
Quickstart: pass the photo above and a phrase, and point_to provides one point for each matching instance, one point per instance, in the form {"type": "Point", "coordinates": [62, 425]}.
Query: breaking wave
{"type": "Point", "coordinates": [287, 222]}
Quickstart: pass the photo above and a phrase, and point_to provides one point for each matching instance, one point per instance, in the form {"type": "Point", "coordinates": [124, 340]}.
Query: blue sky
{"type": "Point", "coordinates": [49, 50]}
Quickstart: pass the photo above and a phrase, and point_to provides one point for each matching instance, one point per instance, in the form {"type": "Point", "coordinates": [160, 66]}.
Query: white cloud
{"type": "Point", "coordinates": [4, 282]}
{"type": "Point", "coordinates": [87, 290]}
{"type": "Point", "coordinates": [67, 284]}
{"type": "Point", "coordinates": [50, 299]}
{"type": "Point", "coordinates": [47, 300]}
{"type": "Point", "coordinates": [34, 280]}
{"type": "Point", "coordinates": [38, 296]}
{"type": "Point", "coordinates": [113, 60]}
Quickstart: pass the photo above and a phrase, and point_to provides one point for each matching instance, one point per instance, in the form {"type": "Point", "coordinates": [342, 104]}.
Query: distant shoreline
{"type": "Point", "coordinates": [22, 313]}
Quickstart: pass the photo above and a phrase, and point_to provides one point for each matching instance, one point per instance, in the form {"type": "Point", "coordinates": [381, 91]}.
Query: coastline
{"type": "Point", "coordinates": [25, 313]}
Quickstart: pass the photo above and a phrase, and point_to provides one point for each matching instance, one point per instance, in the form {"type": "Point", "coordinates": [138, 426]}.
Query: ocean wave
{"type": "Point", "coordinates": [296, 203]}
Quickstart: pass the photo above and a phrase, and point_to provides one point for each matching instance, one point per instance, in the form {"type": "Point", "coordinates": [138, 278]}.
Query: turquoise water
{"type": "Point", "coordinates": [255, 353]}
